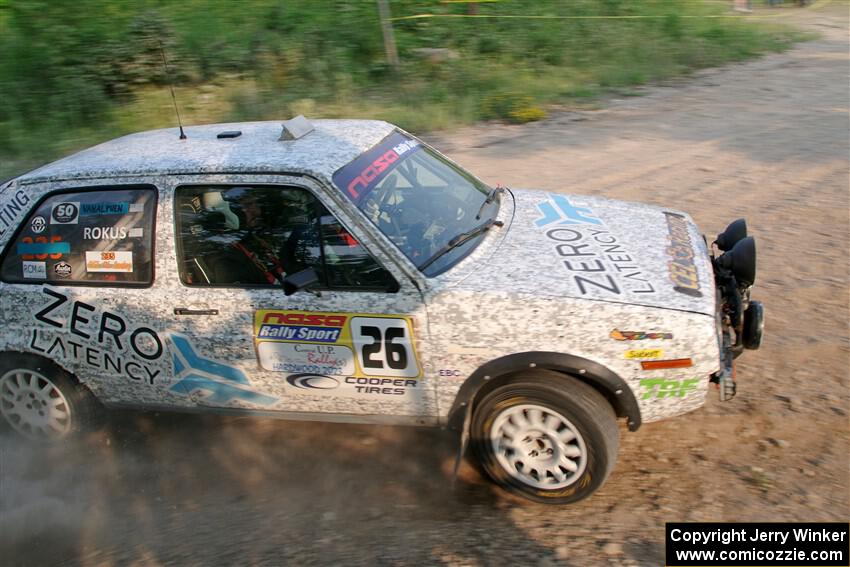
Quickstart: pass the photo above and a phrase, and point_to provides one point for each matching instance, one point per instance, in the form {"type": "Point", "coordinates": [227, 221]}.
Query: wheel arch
{"type": "Point", "coordinates": [501, 370]}
{"type": "Point", "coordinates": [42, 363]}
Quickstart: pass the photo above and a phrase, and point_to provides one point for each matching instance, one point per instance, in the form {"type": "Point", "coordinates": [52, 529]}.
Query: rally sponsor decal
{"type": "Point", "coordinates": [42, 248]}
{"type": "Point", "coordinates": [661, 388]}
{"type": "Point", "coordinates": [119, 208]}
{"type": "Point", "coordinates": [682, 269]}
{"type": "Point", "coordinates": [11, 210]}
{"type": "Point", "coordinates": [69, 212]}
{"type": "Point", "coordinates": [62, 270]}
{"type": "Point", "coordinates": [594, 257]}
{"type": "Point", "coordinates": [355, 386]}
{"type": "Point", "coordinates": [108, 343]}
{"type": "Point", "coordinates": [38, 224]}
{"type": "Point", "coordinates": [35, 270]}
{"type": "Point", "coordinates": [215, 382]}
{"type": "Point", "coordinates": [102, 340]}
{"type": "Point", "coordinates": [618, 335]}
{"type": "Point", "coordinates": [120, 261]}
{"type": "Point", "coordinates": [363, 174]}
{"type": "Point", "coordinates": [111, 233]}
{"type": "Point", "coordinates": [355, 345]}
{"type": "Point", "coordinates": [300, 358]}
{"type": "Point", "coordinates": [312, 382]}
{"type": "Point", "coordinates": [644, 354]}
{"type": "Point", "coordinates": [65, 213]}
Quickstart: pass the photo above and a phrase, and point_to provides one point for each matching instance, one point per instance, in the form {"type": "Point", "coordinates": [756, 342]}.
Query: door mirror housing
{"type": "Point", "coordinates": [300, 280]}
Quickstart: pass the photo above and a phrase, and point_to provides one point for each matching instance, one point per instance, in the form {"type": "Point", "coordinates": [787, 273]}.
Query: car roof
{"type": "Point", "coordinates": [332, 144]}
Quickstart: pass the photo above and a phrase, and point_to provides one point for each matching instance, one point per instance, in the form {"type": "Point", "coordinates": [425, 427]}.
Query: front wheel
{"type": "Point", "coordinates": [546, 436]}
{"type": "Point", "coordinates": [41, 401]}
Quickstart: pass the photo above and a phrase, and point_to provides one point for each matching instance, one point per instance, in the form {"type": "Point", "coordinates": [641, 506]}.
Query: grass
{"type": "Point", "coordinates": [77, 72]}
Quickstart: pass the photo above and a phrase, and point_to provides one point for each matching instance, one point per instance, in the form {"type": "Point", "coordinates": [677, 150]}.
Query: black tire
{"type": "Point", "coordinates": [79, 408]}
{"type": "Point", "coordinates": [590, 415]}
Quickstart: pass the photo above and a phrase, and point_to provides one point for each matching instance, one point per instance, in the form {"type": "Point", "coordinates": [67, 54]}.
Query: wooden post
{"type": "Point", "coordinates": [389, 36]}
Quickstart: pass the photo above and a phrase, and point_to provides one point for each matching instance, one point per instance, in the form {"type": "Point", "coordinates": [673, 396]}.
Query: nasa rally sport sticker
{"type": "Point", "coordinates": [356, 345]}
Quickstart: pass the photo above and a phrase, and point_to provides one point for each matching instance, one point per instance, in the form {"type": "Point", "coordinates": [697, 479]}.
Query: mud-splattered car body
{"type": "Point", "coordinates": [99, 278]}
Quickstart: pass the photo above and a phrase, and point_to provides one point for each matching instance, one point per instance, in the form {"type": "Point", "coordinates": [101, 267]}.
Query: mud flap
{"type": "Point", "coordinates": [464, 442]}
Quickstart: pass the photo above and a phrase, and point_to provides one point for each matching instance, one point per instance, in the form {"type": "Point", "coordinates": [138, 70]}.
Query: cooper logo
{"type": "Point", "coordinates": [38, 224]}
{"type": "Point", "coordinates": [369, 174]}
{"type": "Point", "coordinates": [62, 270]}
{"type": "Point", "coordinates": [305, 319]}
{"type": "Point", "coordinates": [312, 382]}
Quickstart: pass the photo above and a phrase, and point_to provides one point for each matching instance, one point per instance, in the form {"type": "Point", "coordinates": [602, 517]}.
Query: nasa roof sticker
{"type": "Point", "coordinates": [363, 174]}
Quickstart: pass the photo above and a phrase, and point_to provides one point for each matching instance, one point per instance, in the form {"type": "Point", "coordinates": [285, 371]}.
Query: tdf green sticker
{"type": "Point", "coordinates": [664, 388]}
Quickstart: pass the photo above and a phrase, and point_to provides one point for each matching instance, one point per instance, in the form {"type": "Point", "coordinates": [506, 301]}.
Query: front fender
{"type": "Point", "coordinates": [498, 371]}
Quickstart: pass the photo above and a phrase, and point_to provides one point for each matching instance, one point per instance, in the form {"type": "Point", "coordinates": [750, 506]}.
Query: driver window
{"type": "Point", "coordinates": [238, 236]}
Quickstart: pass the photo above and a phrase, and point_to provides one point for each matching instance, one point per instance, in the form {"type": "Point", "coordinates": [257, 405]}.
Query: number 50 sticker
{"type": "Point", "coordinates": [384, 347]}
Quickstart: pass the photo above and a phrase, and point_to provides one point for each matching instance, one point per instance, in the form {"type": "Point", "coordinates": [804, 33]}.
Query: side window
{"type": "Point", "coordinates": [347, 264]}
{"type": "Point", "coordinates": [102, 236]}
{"type": "Point", "coordinates": [257, 235]}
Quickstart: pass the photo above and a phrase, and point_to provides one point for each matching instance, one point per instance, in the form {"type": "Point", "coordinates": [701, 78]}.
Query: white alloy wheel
{"type": "Point", "coordinates": [538, 446]}
{"type": "Point", "coordinates": [33, 405]}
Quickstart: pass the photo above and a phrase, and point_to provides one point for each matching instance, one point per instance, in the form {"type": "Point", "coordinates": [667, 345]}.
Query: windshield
{"type": "Point", "coordinates": [418, 199]}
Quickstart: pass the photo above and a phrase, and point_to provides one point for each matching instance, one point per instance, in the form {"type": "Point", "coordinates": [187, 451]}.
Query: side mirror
{"type": "Point", "coordinates": [300, 280]}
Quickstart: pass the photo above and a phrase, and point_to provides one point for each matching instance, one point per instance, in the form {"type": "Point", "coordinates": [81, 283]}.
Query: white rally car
{"type": "Point", "coordinates": [343, 270]}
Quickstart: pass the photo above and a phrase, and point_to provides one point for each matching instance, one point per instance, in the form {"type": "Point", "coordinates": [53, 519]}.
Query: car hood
{"type": "Point", "coordinates": [599, 249]}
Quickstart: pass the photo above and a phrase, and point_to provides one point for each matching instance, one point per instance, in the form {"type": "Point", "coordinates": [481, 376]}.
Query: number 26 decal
{"type": "Point", "coordinates": [383, 347]}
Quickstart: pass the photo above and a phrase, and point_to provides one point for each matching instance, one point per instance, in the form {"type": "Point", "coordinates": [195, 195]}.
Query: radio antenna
{"type": "Point", "coordinates": [171, 87]}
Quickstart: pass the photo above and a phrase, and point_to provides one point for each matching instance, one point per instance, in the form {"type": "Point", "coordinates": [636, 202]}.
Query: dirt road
{"type": "Point", "coordinates": [766, 140]}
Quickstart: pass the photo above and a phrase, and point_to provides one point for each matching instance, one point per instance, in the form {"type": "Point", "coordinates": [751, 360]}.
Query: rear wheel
{"type": "Point", "coordinates": [546, 436]}
{"type": "Point", "coordinates": [41, 401]}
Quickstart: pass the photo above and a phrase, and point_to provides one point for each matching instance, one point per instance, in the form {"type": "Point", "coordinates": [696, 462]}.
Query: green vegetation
{"type": "Point", "coordinates": [75, 72]}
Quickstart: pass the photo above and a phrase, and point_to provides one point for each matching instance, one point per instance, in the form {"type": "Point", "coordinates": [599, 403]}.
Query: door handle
{"type": "Point", "coordinates": [185, 311]}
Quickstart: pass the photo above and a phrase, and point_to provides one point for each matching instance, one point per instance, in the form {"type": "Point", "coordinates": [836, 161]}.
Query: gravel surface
{"type": "Point", "coordinates": [766, 140]}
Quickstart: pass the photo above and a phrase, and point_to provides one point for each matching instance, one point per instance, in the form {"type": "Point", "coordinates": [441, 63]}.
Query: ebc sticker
{"type": "Point", "coordinates": [363, 174]}
{"type": "Point", "coordinates": [336, 344]}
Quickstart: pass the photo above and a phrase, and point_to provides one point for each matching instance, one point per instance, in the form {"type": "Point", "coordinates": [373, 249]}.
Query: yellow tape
{"type": "Point", "coordinates": [816, 6]}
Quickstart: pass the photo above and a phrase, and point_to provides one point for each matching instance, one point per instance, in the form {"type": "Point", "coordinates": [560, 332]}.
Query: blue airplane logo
{"type": "Point", "coordinates": [566, 213]}
{"type": "Point", "coordinates": [222, 382]}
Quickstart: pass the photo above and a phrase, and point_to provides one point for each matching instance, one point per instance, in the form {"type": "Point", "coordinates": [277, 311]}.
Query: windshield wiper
{"type": "Point", "coordinates": [461, 238]}
{"type": "Point", "coordinates": [491, 196]}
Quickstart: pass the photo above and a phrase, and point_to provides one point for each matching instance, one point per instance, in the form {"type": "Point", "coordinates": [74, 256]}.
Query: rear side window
{"type": "Point", "coordinates": [87, 237]}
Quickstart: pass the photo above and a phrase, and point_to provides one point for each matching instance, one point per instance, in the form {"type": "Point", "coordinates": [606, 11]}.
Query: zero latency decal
{"type": "Point", "coordinates": [590, 253]}
{"type": "Point", "coordinates": [358, 345]}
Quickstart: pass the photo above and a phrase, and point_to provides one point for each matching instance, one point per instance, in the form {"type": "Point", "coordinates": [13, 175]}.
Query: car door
{"type": "Point", "coordinates": [351, 344]}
